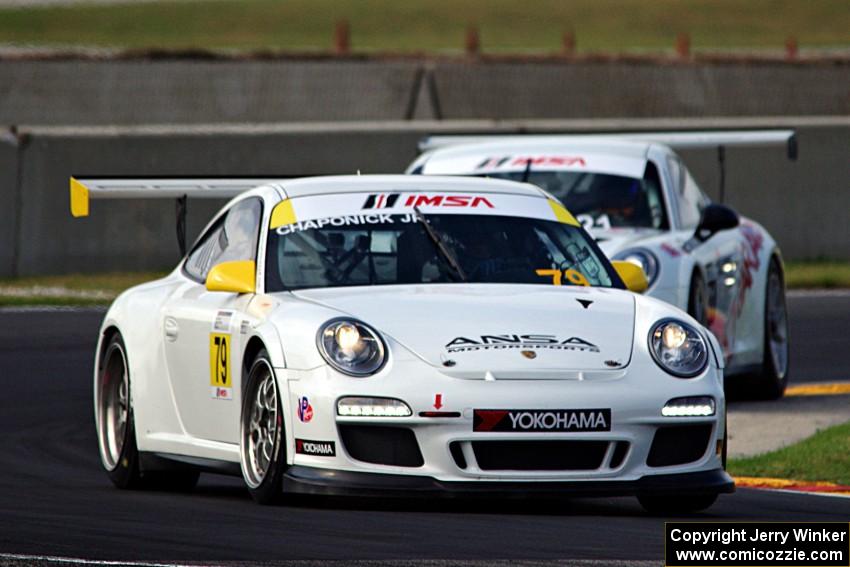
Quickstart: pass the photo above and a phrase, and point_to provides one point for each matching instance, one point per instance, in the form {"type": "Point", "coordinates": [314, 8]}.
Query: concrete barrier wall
{"type": "Point", "coordinates": [804, 203]}
{"type": "Point", "coordinates": [155, 91]}
{"type": "Point", "coordinates": [615, 89]}
{"type": "Point", "coordinates": [160, 92]}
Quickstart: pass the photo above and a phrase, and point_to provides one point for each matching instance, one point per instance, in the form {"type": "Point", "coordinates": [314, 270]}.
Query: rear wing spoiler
{"type": "Point", "coordinates": [83, 190]}
{"type": "Point", "coordinates": [676, 140]}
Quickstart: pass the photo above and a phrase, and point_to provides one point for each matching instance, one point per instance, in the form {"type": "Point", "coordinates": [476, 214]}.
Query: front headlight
{"type": "Point", "coordinates": [678, 348]}
{"type": "Point", "coordinates": [351, 347]}
{"type": "Point", "coordinates": [644, 259]}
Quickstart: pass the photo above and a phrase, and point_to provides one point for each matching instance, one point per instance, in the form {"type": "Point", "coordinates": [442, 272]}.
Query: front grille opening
{"type": "Point", "coordinates": [457, 454]}
{"type": "Point", "coordinates": [678, 444]}
{"type": "Point", "coordinates": [539, 455]}
{"type": "Point", "coordinates": [621, 448]}
{"type": "Point", "coordinates": [381, 445]}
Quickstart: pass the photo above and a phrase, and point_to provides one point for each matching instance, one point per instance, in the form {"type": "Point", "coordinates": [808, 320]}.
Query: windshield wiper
{"type": "Point", "coordinates": [438, 241]}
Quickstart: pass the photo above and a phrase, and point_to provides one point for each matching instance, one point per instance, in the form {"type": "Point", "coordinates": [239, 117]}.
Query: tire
{"type": "Point", "coordinates": [698, 299]}
{"type": "Point", "coordinates": [771, 381]}
{"type": "Point", "coordinates": [261, 433]}
{"type": "Point", "coordinates": [116, 431]}
{"type": "Point", "coordinates": [676, 504]}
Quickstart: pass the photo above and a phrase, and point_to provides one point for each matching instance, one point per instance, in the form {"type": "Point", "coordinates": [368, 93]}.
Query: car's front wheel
{"type": "Point", "coordinates": [676, 504]}
{"type": "Point", "coordinates": [261, 438]}
{"type": "Point", "coordinates": [116, 431]}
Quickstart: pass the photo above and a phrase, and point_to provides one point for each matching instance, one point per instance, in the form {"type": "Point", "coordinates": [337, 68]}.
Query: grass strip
{"type": "Point", "coordinates": [823, 457]}
{"type": "Point", "coordinates": [432, 25]}
{"type": "Point", "coordinates": [817, 275]}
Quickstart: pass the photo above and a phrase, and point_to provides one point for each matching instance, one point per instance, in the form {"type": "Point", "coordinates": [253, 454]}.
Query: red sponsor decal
{"type": "Point", "coordinates": [670, 250]}
{"type": "Point", "coordinates": [536, 161]}
{"type": "Point", "coordinates": [489, 419]}
{"type": "Point", "coordinates": [750, 263]}
{"type": "Point", "coordinates": [549, 160]}
{"type": "Point", "coordinates": [305, 410]}
{"type": "Point", "coordinates": [470, 201]}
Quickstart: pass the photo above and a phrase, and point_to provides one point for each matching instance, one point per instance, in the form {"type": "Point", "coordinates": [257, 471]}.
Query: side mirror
{"type": "Point", "coordinates": [234, 277]}
{"type": "Point", "coordinates": [715, 218]}
{"type": "Point", "coordinates": [632, 275]}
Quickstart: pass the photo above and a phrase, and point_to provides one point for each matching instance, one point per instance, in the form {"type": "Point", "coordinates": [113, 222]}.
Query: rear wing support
{"type": "Point", "coordinates": [83, 190]}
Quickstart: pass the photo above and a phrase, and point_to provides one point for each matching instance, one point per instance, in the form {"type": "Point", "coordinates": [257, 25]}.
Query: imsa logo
{"type": "Point", "coordinates": [390, 200]}
{"type": "Point", "coordinates": [317, 448]}
{"type": "Point", "coordinates": [532, 421]}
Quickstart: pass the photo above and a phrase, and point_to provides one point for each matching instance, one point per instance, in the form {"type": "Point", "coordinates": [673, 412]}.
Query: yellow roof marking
{"type": "Point", "coordinates": [562, 214]}
{"type": "Point", "coordinates": [79, 199]}
{"type": "Point", "coordinates": [282, 215]}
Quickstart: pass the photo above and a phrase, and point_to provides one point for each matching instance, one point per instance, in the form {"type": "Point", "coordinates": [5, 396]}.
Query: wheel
{"type": "Point", "coordinates": [116, 430]}
{"type": "Point", "coordinates": [676, 504]}
{"type": "Point", "coordinates": [698, 299]}
{"type": "Point", "coordinates": [262, 456]}
{"type": "Point", "coordinates": [770, 383]}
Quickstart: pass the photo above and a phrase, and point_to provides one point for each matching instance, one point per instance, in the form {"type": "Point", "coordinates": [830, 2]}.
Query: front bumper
{"type": "Point", "coordinates": [635, 397]}
{"type": "Point", "coordinates": [315, 481]}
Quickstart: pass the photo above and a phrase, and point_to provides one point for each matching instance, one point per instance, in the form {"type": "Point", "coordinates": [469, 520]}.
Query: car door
{"type": "Point", "coordinates": [202, 329]}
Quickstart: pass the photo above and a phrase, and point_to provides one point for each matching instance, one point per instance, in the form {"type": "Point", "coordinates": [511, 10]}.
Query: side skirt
{"type": "Point", "coordinates": [149, 461]}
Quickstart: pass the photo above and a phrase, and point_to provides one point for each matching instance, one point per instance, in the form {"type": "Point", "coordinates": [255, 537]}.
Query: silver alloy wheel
{"type": "Point", "coordinates": [113, 405]}
{"type": "Point", "coordinates": [261, 424]}
{"type": "Point", "coordinates": [777, 324]}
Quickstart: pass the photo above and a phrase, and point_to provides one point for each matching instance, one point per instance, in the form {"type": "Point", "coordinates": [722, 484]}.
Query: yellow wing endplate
{"type": "Point", "coordinates": [79, 199]}
{"type": "Point", "coordinates": [562, 214]}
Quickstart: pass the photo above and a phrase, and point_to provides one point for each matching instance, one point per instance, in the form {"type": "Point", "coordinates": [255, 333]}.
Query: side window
{"type": "Point", "coordinates": [675, 167]}
{"type": "Point", "coordinates": [233, 237]}
{"type": "Point", "coordinates": [654, 198]}
{"type": "Point", "coordinates": [691, 202]}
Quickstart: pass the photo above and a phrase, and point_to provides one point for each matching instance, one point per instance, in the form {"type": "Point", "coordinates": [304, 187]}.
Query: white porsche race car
{"type": "Point", "coordinates": [641, 204]}
{"type": "Point", "coordinates": [402, 335]}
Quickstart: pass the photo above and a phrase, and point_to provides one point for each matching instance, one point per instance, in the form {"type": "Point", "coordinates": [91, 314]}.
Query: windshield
{"type": "Point", "coordinates": [382, 249]}
{"type": "Point", "coordinates": [601, 200]}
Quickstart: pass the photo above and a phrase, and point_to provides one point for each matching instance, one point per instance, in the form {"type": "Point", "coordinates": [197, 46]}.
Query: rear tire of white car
{"type": "Point", "coordinates": [770, 383]}
{"type": "Point", "coordinates": [261, 434]}
{"type": "Point", "coordinates": [676, 504]}
{"type": "Point", "coordinates": [698, 299]}
{"type": "Point", "coordinates": [116, 431]}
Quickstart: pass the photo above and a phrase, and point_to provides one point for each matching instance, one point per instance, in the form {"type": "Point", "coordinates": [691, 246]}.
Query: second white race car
{"type": "Point", "coordinates": [402, 335]}
{"type": "Point", "coordinates": [637, 198]}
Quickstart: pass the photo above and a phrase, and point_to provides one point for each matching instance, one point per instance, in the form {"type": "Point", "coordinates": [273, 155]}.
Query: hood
{"type": "Point", "coordinates": [615, 240]}
{"type": "Point", "coordinates": [497, 331]}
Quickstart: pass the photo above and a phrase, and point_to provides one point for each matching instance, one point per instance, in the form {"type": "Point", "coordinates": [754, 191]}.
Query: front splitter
{"type": "Point", "coordinates": [309, 480]}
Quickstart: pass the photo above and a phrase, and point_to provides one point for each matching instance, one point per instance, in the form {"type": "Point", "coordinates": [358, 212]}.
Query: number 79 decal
{"type": "Point", "coordinates": [221, 380]}
{"type": "Point", "coordinates": [572, 276]}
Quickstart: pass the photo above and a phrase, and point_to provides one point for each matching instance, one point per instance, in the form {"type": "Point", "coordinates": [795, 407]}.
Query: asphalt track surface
{"type": "Point", "coordinates": [55, 501]}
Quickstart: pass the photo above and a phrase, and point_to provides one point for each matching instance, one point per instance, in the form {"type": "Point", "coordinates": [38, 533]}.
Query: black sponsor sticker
{"type": "Point", "coordinates": [541, 420]}
{"type": "Point", "coordinates": [317, 448]}
{"type": "Point", "coordinates": [514, 341]}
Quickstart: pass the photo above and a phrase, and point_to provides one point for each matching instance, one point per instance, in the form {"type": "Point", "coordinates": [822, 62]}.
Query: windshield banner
{"type": "Point", "coordinates": [305, 213]}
